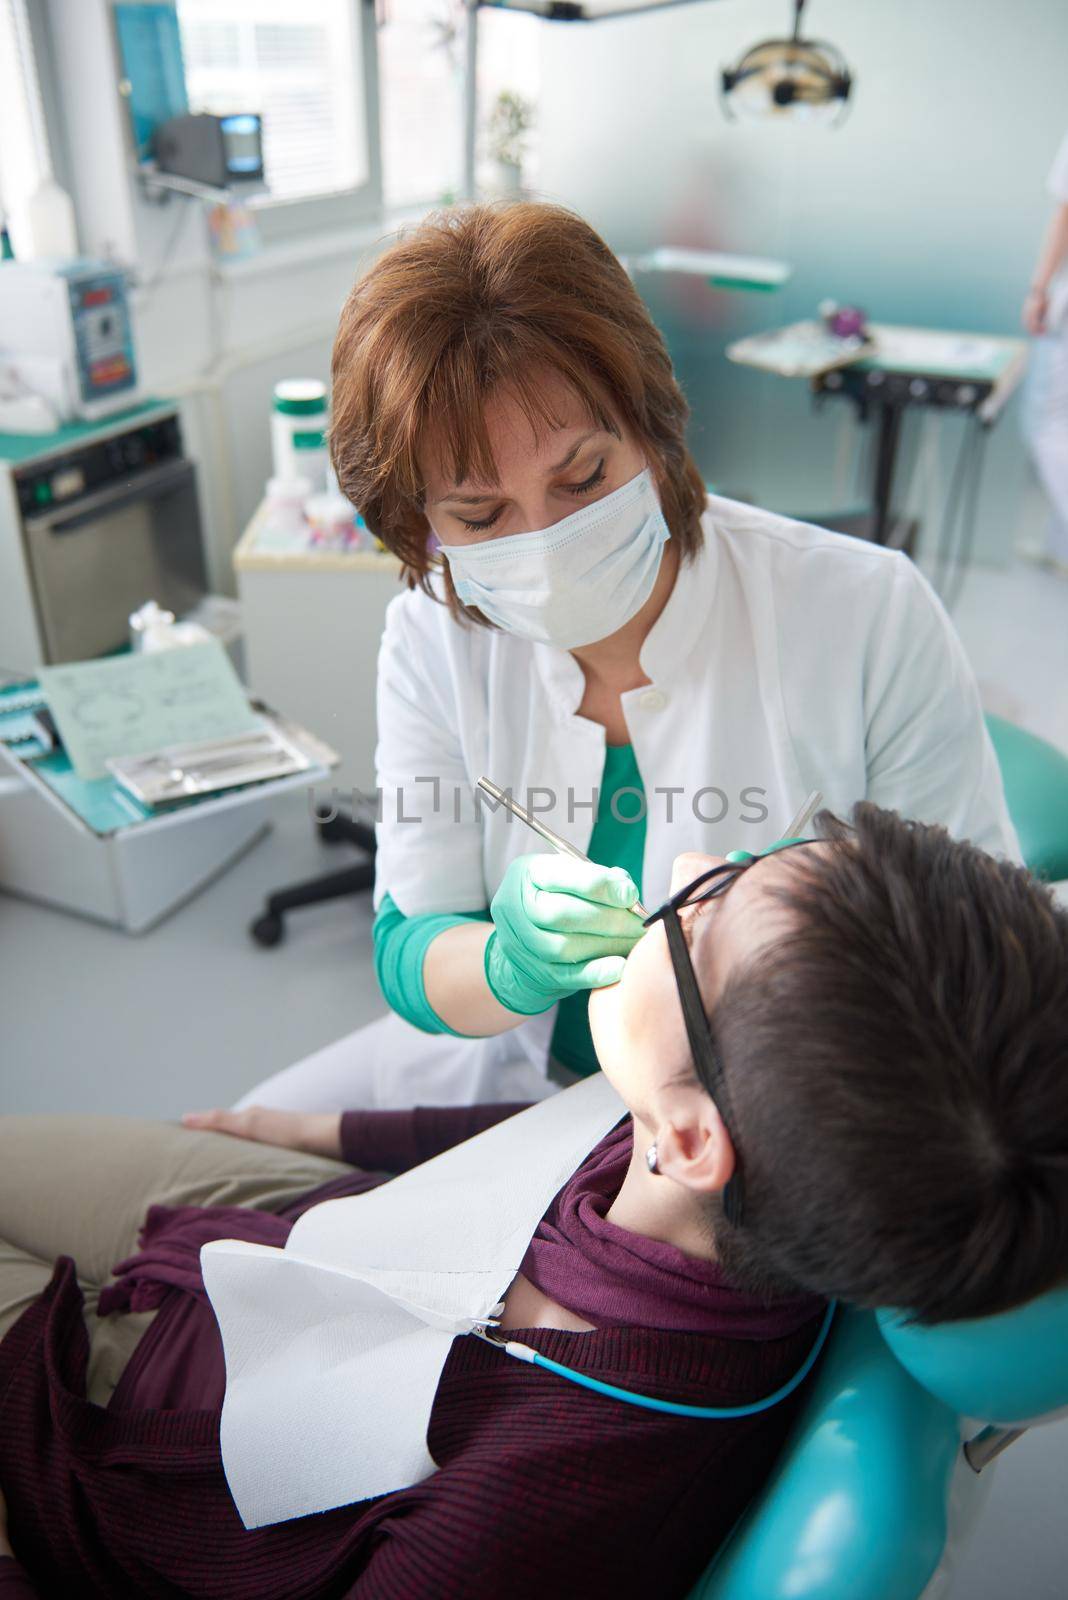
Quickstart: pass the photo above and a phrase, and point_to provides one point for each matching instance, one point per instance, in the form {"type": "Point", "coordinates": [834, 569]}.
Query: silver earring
{"type": "Point", "coordinates": [652, 1160]}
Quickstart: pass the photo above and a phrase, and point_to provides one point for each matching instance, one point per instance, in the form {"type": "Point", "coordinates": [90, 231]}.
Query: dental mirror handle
{"type": "Point", "coordinates": [544, 832]}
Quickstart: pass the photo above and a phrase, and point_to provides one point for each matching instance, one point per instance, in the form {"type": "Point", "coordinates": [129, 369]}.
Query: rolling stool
{"type": "Point", "coordinates": [269, 929]}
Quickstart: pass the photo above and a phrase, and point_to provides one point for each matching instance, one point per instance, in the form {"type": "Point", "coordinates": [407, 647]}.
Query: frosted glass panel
{"type": "Point", "coordinates": [926, 207]}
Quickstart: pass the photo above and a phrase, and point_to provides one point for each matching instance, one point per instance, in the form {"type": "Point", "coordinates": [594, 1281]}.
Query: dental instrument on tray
{"type": "Point", "coordinates": [545, 832]}
{"type": "Point", "coordinates": [183, 772]}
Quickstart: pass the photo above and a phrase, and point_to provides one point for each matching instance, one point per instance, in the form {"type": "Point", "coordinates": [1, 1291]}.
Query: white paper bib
{"type": "Point", "coordinates": [334, 1345]}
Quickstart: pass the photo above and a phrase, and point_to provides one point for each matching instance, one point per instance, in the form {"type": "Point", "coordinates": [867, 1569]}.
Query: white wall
{"type": "Point", "coordinates": [220, 339]}
{"type": "Point", "coordinates": [926, 207]}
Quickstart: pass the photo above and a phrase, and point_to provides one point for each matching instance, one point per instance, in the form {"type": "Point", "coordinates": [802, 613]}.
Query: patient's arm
{"type": "Point", "coordinates": [377, 1141]}
{"type": "Point", "coordinates": [317, 1132]}
{"type": "Point", "coordinates": [395, 1141]}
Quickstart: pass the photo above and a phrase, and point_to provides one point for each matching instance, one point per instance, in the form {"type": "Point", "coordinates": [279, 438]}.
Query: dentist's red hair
{"type": "Point", "coordinates": [480, 300]}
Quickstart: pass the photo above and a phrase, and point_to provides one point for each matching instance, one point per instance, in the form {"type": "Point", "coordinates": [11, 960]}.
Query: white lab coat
{"type": "Point", "coordinates": [786, 659]}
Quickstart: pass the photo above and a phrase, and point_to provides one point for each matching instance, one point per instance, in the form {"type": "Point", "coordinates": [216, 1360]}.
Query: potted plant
{"type": "Point", "coordinates": [510, 120]}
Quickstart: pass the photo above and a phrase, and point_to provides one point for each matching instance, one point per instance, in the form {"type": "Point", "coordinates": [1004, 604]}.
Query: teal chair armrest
{"type": "Point", "coordinates": [1035, 775]}
{"type": "Point", "coordinates": [856, 1508]}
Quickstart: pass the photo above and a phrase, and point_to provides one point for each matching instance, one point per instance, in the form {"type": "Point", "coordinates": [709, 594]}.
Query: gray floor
{"type": "Point", "coordinates": [1014, 626]}
{"type": "Point", "coordinates": [194, 1013]}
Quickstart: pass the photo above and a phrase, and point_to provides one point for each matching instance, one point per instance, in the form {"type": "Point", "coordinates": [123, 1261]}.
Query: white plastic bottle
{"type": "Point", "coordinates": [50, 218]}
{"type": "Point", "coordinates": [298, 421]}
{"type": "Point", "coordinates": [284, 527]}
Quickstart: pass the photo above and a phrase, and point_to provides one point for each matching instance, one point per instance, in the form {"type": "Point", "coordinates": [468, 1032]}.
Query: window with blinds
{"type": "Point", "coordinates": [24, 154]}
{"type": "Point", "coordinates": [299, 67]}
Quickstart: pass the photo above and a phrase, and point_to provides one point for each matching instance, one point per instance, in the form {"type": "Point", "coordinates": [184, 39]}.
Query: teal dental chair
{"type": "Point", "coordinates": [1035, 775]}
{"type": "Point", "coordinates": [882, 1473]}
{"type": "Point", "coordinates": [881, 1477]}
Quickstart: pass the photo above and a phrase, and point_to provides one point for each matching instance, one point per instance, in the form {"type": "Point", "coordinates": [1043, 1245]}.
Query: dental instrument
{"type": "Point", "coordinates": [496, 793]}
{"type": "Point", "coordinates": [504, 799]}
{"type": "Point", "coordinates": [741, 858]}
{"type": "Point", "coordinates": [675, 1408]}
{"type": "Point", "coordinates": [804, 816]}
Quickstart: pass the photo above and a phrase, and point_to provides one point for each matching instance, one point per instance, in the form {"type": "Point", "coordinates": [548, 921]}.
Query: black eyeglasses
{"type": "Point", "coordinates": [703, 1048]}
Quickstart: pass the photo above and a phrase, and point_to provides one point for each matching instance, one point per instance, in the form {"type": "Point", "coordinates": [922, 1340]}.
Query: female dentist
{"type": "Point", "coordinates": [649, 668]}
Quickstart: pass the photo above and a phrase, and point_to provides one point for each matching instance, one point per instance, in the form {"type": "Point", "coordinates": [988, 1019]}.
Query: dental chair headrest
{"type": "Point", "coordinates": [1008, 1369]}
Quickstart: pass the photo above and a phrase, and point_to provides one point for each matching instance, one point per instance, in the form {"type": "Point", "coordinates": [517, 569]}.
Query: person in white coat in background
{"type": "Point", "coordinates": [650, 668]}
{"type": "Point", "coordinates": [1045, 315]}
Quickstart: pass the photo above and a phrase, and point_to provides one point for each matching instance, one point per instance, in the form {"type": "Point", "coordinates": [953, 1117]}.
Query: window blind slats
{"type": "Point", "coordinates": [301, 76]}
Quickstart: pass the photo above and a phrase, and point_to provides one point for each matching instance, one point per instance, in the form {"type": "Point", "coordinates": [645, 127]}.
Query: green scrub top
{"type": "Point", "coordinates": [618, 840]}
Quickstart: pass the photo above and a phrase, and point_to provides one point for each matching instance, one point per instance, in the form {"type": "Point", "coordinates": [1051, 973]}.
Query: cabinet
{"type": "Point", "coordinates": [312, 622]}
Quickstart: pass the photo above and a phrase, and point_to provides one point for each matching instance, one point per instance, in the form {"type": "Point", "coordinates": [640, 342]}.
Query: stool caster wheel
{"type": "Point", "coordinates": [332, 830]}
{"type": "Point", "coordinates": [268, 930]}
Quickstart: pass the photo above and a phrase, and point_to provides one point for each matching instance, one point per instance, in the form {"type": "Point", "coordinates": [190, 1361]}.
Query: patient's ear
{"type": "Point", "coordinates": [693, 1146]}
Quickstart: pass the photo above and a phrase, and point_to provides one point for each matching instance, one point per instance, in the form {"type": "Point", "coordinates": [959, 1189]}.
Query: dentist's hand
{"type": "Point", "coordinates": [559, 925]}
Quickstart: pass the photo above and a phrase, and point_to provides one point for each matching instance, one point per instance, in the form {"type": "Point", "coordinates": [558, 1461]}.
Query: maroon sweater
{"type": "Point", "coordinates": [542, 1488]}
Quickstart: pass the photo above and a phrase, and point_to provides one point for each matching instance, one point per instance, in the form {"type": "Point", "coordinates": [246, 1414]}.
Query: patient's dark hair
{"type": "Point", "coordinates": [898, 1078]}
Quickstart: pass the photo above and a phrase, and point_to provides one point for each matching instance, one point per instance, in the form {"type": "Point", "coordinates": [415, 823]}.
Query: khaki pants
{"type": "Point", "coordinates": [80, 1186]}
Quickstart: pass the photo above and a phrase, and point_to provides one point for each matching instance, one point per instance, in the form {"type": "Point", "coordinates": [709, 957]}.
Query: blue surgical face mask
{"type": "Point", "coordinates": [578, 581]}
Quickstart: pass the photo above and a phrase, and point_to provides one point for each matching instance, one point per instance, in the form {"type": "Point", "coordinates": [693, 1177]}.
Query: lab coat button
{"type": "Point", "coordinates": [653, 700]}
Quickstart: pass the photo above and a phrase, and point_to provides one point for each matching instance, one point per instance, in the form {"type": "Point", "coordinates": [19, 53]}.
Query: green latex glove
{"type": "Point", "coordinates": [559, 925]}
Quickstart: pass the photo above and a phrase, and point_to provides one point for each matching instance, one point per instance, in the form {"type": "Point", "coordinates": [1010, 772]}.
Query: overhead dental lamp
{"type": "Point", "coordinates": [799, 78]}
{"type": "Point", "coordinates": [806, 79]}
